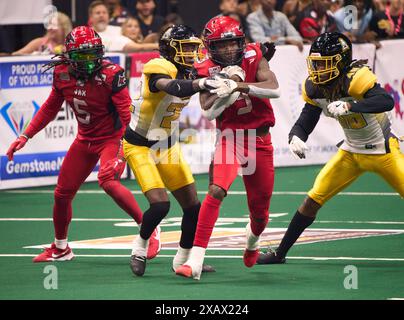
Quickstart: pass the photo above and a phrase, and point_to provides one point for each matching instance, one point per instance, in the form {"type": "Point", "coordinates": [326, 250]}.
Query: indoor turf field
{"type": "Point", "coordinates": [358, 232]}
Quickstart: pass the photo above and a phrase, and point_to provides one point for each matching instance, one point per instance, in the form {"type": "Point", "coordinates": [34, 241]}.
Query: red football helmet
{"type": "Point", "coordinates": [84, 50]}
{"type": "Point", "coordinates": [225, 40]}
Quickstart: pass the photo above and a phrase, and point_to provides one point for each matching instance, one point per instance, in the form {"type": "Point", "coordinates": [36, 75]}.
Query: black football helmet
{"type": "Point", "coordinates": [330, 56]}
{"type": "Point", "coordinates": [180, 45]}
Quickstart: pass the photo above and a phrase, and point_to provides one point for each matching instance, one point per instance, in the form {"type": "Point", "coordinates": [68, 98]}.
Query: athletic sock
{"type": "Point", "coordinates": [152, 218]}
{"type": "Point", "coordinates": [188, 226]}
{"type": "Point", "coordinates": [208, 215]}
{"type": "Point", "coordinates": [296, 227]}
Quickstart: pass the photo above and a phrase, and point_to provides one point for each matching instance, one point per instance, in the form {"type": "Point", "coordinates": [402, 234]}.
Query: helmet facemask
{"type": "Point", "coordinates": [227, 52]}
{"type": "Point", "coordinates": [323, 69]}
{"type": "Point", "coordinates": [86, 61]}
{"type": "Point", "coordinates": [186, 52]}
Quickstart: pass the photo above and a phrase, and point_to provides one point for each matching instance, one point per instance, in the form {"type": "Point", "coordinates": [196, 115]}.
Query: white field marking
{"type": "Point", "coordinates": [278, 193]}
{"type": "Point", "coordinates": [238, 232]}
{"type": "Point", "coordinates": [126, 222]}
{"type": "Point", "coordinates": [175, 221]}
{"type": "Point", "coordinates": [219, 257]}
{"type": "Point", "coordinates": [395, 298]}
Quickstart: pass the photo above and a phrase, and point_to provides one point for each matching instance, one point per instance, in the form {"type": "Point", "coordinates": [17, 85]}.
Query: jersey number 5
{"type": "Point", "coordinates": [83, 116]}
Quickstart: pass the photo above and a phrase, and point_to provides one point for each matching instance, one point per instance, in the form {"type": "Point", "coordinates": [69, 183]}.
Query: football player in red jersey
{"type": "Point", "coordinates": [243, 115]}
{"type": "Point", "coordinates": [96, 91]}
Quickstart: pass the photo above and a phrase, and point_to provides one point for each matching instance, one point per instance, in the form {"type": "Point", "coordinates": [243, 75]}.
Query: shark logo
{"type": "Point", "coordinates": [18, 115]}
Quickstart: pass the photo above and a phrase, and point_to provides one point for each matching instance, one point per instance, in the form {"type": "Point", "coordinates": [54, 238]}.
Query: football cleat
{"type": "Point", "coordinates": [188, 271]}
{"type": "Point", "coordinates": [206, 268]}
{"type": "Point", "coordinates": [250, 257]}
{"type": "Point", "coordinates": [154, 244]}
{"type": "Point", "coordinates": [138, 265]}
{"type": "Point", "coordinates": [270, 257]}
{"type": "Point", "coordinates": [54, 254]}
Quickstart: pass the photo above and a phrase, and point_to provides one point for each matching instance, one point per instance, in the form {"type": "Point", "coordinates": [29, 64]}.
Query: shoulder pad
{"type": "Point", "coordinates": [361, 81]}
{"type": "Point", "coordinates": [308, 92]}
{"type": "Point", "coordinates": [162, 66]}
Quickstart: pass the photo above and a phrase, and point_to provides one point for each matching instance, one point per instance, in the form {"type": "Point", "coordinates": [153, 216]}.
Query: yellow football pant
{"type": "Point", "coordinates": [346, 166]}
{"type": "Point", "coordinates": [161, 168]}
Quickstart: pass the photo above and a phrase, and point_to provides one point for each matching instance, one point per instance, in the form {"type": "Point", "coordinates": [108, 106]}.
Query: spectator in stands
{"type": "Point", "coordinates": [149, 22]}
{"type": "Point", "coordinates": [293, 7]}
{"type": "Point", "coordinates": [245, 7]}
{"type": "Point", "coordinates": [314, 20]}
{"type": "Point", "coordinates": [131, 29]}
{"type": "Point", "coordinates": [111, 36]}
{"type": "Point", "coordinates": [266, 24]}
{"type": "Point", "coordinates": [389, 24]}
{"type": "Point", "coordinates": [379, 5]}
{"type": "Point", "coordinates": [356, 31]}
{"type": "Point", "coordinates": [334, 5]}
{"type": "Point", "coordinates": [118, 13]}
{"type": "Point", "coordinates": [230, 8]}
{"type": "Point", "coordinates": [173, 18]}
{"type": "Point", "coordinates": [52, 42]}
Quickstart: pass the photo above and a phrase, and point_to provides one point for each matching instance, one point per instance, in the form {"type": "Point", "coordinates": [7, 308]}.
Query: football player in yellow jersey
{"type": "Point", "coordinates": [347, 91]}
{"type": "Point", "coordinates": [150, 146]}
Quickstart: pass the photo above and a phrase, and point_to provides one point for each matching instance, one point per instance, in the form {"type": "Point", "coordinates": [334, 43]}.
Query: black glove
{"type": "Point", "coordinates": [268, 50]}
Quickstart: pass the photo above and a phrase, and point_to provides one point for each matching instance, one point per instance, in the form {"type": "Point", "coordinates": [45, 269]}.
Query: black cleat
{"type": "Point", "coordinates": [208, 268]}
{"type": "Point", "coordinates": [270, 257]}
{"type": "Point", "coordinates": [138, 265]}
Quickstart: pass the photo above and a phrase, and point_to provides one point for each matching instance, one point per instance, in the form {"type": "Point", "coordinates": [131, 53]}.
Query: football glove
{"type": "Point", "coordinates": [213, 82]}
{"type": "Point", "coordinates": [298, 147]}
{"type": "Point", "coordinates": [226, 88]}
{"type": "Point", "coordinates": [112, 169]}
{"type": "Point", "coordinates": [234, 71]}
{"type": "Point", "coordinates": [338, 108]}
{"type": "Point", "coordinates": [18, 144]}
{"type": "Point", "coordinates": [268, 50]}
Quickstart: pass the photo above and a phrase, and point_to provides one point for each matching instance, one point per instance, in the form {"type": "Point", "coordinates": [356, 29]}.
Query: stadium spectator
{"type": "Point", "coordinates": [118, 13]}
{"type": "Point", "coordinates": [314, 20]}
{"type": "Point", "coordinates": [131, 29]}
{"type": "Point", "coordinates": [357, 31]}
{"type": "Point", "coordinates": [293, 7]}
{"type": "Point", "coordinates": [230, 8]}
{"type": "Point", "coordinates": [52, 42]}
{"type": "Point", "coordinates": [149, 22]}
{"type": "Point", "coordinates": [111, 36]}
{"type": "Point", "coordinates": [266, 24]}
{"type": "Point", "coordinates": [388, 24]}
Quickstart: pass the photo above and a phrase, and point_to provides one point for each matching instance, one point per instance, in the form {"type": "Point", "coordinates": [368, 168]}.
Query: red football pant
{"type": "Point", "coordinates": [79, 162]}
{"type": "Point", "coordinates": [258, 178]}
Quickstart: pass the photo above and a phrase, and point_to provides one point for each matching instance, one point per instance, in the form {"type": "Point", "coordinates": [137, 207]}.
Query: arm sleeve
{"type": "Point", "coordinates": [306, 123]}
{"type": "Point", "coordinates": [122, 101]}
{"type": "Point", "coordinates": [180, 88]}
{"type": "Point", "coordinates": [153, 80]}
{"type": "Point", "coordinates": [376, 100]}
{"type": "Point", "coordinates": [46, 113]}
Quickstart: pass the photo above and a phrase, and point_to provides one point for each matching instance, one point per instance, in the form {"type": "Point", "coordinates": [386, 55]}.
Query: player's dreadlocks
{"type": "Point", "coordinates": [338, 88]}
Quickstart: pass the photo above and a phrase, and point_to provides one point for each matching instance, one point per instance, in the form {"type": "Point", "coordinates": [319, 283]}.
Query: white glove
{"type": "Point", "coordinates": [298, 147]}
{"type": "Point", "coordinates": [209, 83]}
{"type": "Point", "coordinates": [338, 108]}
{"type": "Point", "coordinates": [226, 88]}
{"type": "Point", "coordinates": [234, 71]}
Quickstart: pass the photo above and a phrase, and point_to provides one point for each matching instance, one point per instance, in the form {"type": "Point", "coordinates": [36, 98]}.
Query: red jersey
{"type": "Point", "coordinates": [100, 104]}
{"type": "Point", "coordinates": [248, 112]}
